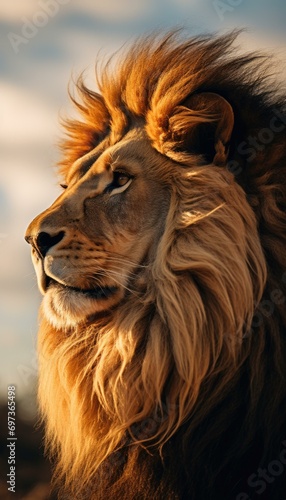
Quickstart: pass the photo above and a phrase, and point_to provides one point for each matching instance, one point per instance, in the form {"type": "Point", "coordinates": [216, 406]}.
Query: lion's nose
{"type": "Point", "coordinates": [43, 241]}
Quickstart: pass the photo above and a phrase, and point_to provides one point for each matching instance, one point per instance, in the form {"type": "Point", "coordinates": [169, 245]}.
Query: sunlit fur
{"type": "Point", "coordinates": [175, 393]}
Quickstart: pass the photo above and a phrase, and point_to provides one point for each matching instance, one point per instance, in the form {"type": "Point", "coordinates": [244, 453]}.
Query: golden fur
{"type": "Point", "coordinates": [191, 253]}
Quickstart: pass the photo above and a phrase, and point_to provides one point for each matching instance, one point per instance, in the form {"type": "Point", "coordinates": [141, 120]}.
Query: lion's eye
{"type": "Point", "coordinates": [64, 186]}
{"type": "Point", "coordinates": [120, 180]}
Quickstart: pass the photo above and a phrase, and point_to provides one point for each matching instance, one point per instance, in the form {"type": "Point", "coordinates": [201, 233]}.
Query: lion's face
{"type": "Point", "coordinates": [88, 245]}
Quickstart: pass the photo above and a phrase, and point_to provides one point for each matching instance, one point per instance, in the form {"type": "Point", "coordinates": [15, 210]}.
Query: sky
{"type": "Point", "coordinates": [43, 43]}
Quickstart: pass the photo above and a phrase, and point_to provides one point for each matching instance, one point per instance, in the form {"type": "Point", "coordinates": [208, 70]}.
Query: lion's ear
{"type": "Point", "coordinates": [208, 126]}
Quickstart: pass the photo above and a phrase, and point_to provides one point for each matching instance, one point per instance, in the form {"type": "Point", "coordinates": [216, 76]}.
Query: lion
{"type": "Point", "coordinates": [162, 264]}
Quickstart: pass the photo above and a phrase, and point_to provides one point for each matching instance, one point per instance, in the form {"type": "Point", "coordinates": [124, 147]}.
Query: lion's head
{"type": "Point", "coordinates": [153, 261]}
{"type": "Point", "coordinates": [92, 247]}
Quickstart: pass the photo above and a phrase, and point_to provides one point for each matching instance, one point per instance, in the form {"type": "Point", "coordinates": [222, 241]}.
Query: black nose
{"type": "Point", "coordinates": [44, 241]}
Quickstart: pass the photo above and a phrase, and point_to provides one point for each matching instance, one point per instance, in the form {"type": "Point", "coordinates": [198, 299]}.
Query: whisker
{"type": "Point", "coordinates": [120, 259]}
{"type": "Point", "coordinates": [113, 275]}
{"type": "Point", "coordinates": [128, 273]}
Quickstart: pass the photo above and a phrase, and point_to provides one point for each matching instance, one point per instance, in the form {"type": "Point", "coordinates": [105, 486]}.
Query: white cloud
{"type": "Point", "coordinates": [25, 118]}
{"type": "Point", "coordinates": [108, 9]}
{"type": "Point", "coordinates": [15, 10]}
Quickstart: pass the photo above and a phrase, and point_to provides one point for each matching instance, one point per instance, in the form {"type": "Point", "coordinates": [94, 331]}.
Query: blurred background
{"type": "Point", "coordinates": [42, 43]}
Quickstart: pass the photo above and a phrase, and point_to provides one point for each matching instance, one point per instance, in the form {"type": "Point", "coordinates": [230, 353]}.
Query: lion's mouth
{"type": "Point", "coordinates": [66, 306]}
{"type": "Point", "coordinates": [96, 292]}
{"type": "Point", "coordinates": [78, 300]}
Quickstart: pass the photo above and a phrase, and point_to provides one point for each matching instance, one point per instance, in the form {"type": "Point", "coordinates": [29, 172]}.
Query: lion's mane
{"type": "Point", "coordinates": [179, 392]}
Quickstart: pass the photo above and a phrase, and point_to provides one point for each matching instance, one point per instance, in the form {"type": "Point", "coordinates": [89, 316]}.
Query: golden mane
{"type": "Point", "coordinates": [194, 356]}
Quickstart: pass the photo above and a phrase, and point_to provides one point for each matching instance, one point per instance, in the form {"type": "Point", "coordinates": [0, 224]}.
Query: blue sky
{"type": "Point", "coordinates": [33, 91]}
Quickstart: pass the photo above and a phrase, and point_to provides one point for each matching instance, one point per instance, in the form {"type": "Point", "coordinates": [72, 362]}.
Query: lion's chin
{"type": "Point", "coordinates": [66, 307]}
